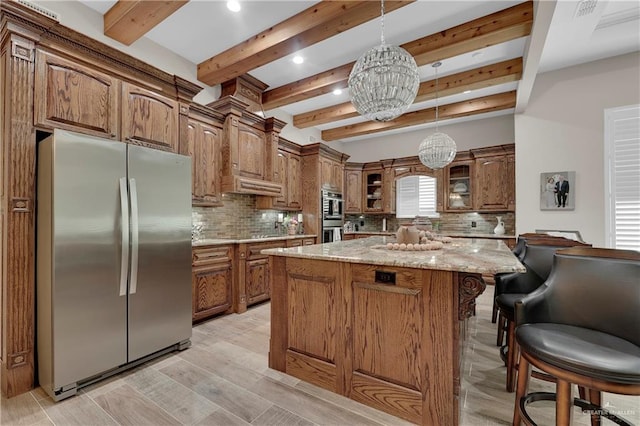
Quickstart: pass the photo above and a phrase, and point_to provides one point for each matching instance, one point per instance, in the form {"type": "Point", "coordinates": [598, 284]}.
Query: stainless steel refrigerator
{"type": "Point", "coordinates": [113, 258]}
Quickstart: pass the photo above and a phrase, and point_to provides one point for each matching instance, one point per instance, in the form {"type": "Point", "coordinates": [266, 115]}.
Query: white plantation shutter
{"type": "Point", "coordinates": [622, 168]}
{"type": "Point", "coordinates": [427, 197]}
{"type": "Point", "coordinates": [416, 196]}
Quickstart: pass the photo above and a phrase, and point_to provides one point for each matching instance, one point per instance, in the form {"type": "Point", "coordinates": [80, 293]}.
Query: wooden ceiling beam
{"type": "Point", "coordinates": [481, 105]}
{"type": "Point", "coordinates": [128, 20]}
{"type": "Point", "coordinates": [478, 78]}
{"type": "Point", "coordinates": [317, 23]}
{"type": "Point", "coordinates": [307, 88]}
{"type": "Point", "coordinates": [496, 28]}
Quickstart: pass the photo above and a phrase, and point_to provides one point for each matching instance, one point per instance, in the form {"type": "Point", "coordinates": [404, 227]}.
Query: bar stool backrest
{"type": "Point", "coordinates": [591, 288]}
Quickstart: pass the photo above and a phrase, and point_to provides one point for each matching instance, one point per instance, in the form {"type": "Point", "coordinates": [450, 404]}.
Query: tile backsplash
{"type": "Point", "coordinates": [237, 217]}
{"type": "Point", "coordinates": [447, 222]}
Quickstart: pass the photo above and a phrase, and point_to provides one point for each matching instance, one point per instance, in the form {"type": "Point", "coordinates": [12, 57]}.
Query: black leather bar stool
{"type": "Point", "coordinates": [538, 260]}
{"type": "Point", "coordinates": [537, 257]}
{"type": "Point", "coordinates": [518, 251]}
{"type": "Point", "coordinates": [581, 326]}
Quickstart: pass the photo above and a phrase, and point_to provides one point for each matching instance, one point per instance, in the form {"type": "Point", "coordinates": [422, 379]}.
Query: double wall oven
{"type": "Point", "coordinates": [332, 216]}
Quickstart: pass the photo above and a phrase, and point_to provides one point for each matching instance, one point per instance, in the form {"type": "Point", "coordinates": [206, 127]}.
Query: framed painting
{"type": "Point", "coordinates": [557, 191]}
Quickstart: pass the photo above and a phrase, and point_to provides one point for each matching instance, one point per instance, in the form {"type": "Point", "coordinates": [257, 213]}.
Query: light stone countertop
{"type": "Point", "coordinates": [475, 255]}
{"type": "Point", "coordinates": [448, 234]}
{"type": "Point", "coordinates": [240, 240]}
{"type": "Point", "coordinates": [478, 235]}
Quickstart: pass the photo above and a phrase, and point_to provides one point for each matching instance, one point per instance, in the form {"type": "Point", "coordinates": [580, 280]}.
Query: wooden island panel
{"type": "Point", "coordinates": [313, 318]}
{"type": "Point", "coordinates": [387, 370]}
{"type": "Point", "coordinates": [392, 347]}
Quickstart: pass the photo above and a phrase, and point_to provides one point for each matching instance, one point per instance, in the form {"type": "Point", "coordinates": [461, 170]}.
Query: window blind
{"type": "Point", "coordinates": [416, 196]}
{"type": "Point", "coordinates": [622, 142]}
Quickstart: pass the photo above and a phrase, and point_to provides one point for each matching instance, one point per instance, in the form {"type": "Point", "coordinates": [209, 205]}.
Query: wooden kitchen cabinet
{"type": "Point", "coordinates": [253, 283]}
{"type": "Point", "coordinates": [388, 187]}
{"type": "Point", "coordinates": [203, 148]}
{"type": "Point", "coordinates": [511, 182]}
{"type": "Point", "coordinates": [331, 172]}
{"type": "Point", "coordinates": [372, 190]}
{"type": "Point", "coordinates": [74, 97]}
{"type": "Point", "coordinates": [249, 150]}
{"type": "Point", "coordinates": [494, 178]}
{"type": "Point", "coordinates": [149, 119]}
{"type": "Point", "coordinates": [353, 188]}
{"type": "Point", "coordinates": [491, 179]}
{"type": "Point", "coordinates": [212, 281]}
{"type": "Point", "coordinates": [69, 95]}
{"type": "Point", "coordinates": [481, 180]}
{"type": "Point", "coordinates": [288, 173]}
{"type": "Point", "coordinates": [294, 182]}
{"type": "Point", "coordinates": [458, 186]}
{"type": "Point", "coordinates": [322, 169]}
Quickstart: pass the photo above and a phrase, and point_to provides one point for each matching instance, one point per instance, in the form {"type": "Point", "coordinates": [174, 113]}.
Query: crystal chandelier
{"type": "Point", "coordinates": [384, 81]}
{"type": "Point", "coordinates": [438, 149]}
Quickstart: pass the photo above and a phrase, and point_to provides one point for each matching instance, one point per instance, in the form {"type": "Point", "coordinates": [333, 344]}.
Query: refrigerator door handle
{"type": "Point", "coordinates": [133, 194]}
{"type": "Point", "coordinates": [124, 227]}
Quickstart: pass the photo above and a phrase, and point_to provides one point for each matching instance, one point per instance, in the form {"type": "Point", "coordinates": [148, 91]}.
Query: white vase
{"type": "Point", "coordinates": [499, 229]}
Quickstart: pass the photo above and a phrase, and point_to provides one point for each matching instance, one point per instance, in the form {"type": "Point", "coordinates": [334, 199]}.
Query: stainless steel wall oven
{"type": "Point", "coordinates": [332, 216]}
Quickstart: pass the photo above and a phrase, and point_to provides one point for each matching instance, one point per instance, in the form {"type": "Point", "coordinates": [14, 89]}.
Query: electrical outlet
{"type": "Point", "coordinates": [473, 224]}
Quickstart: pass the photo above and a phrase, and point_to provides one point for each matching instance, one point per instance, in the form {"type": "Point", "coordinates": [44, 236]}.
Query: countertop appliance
{"type": "Point", "coordinates": [332, 218]}
{"type": "Point", "coordinates": [113, 258]}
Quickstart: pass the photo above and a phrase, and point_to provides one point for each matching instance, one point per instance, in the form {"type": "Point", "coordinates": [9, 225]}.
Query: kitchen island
{"type": "Point", "coordinates": [383, 327]}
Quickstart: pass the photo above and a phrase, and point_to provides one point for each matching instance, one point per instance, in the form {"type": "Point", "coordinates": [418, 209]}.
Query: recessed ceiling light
{"type": "Point", "coordinates": [234, 5]}
{"type": "Point", "coordinates": [337, 92]}
{"type": "Point", "coordinates": [298, 59]}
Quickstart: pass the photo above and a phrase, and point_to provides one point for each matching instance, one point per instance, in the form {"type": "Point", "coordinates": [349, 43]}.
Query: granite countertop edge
{"type": "Point", "coordinates": [481, 256]}
{"type": "Point", "coordinates": [448, 234]}
{"type": "Point", "coordinates": [241, 240]}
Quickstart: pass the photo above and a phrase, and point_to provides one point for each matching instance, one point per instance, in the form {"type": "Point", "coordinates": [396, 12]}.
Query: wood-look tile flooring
{"type": "Point", "coordinates": [223, 379]}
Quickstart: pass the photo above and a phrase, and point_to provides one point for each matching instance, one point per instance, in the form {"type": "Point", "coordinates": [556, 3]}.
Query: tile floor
{"type": "Point", "coordinates": [223, 379]}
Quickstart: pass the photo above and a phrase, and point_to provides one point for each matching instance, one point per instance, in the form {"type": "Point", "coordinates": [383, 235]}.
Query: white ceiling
{"type": "Point", "coordinates": [202, 29]}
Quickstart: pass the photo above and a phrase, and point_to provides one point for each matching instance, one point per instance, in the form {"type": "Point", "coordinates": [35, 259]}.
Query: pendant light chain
{"type": "Point", "coordinates": [382, 22]}
{"type": "Point", "coordinates": [436, 99]}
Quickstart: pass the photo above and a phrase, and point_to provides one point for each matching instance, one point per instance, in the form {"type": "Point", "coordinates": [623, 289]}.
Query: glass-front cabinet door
{"type": "Point", "coordinates": [458, 186]}
{"type": "Point", "coordinates": [373, 191]}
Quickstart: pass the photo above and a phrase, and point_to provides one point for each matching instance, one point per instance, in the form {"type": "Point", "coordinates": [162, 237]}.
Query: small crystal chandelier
{"type": "Point", "coordinates": [384, 81]}
{"type": "Point", "coordinates": [438, 149]}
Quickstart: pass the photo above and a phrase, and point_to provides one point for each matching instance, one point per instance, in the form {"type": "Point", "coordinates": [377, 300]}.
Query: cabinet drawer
{"type": "Point", "coordinates": [211, 255]}
{"type": "Point", "coordinates": [301, 242]}
{"type": "Point", "coordinates": [253, 251]}
{"type": "Point", "coordinates": [294, 243]}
